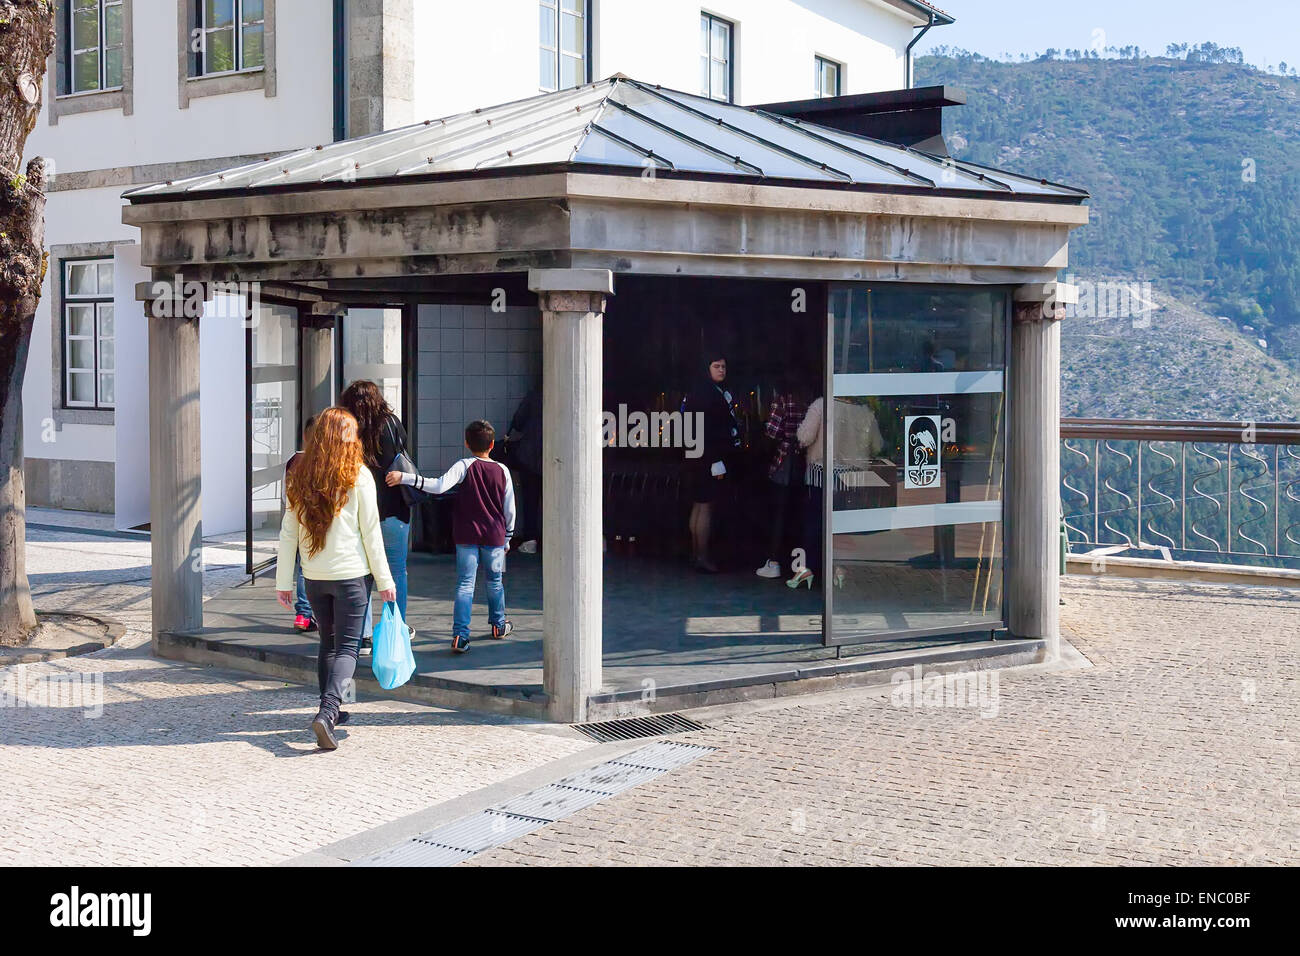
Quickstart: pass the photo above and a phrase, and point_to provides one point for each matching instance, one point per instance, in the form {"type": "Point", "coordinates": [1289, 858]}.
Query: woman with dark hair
{"type": "Point", "coordinates": [332, 523]}
{"type": "Point", "coordinates": [785, 471]}
{"type": "Point", "coordinates": [382, 437]}
{"type": "Point", "coordinates": [708, 477]}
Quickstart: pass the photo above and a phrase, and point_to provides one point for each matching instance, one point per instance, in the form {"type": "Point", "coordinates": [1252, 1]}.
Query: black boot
{"type": "Point", "coordinates": [323, 727]}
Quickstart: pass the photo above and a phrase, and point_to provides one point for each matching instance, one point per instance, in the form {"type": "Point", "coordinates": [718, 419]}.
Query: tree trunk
{"type": "Point", "coordinates": [26, 42]}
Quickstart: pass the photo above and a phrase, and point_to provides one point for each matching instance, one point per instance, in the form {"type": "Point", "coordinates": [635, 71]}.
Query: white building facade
{"type": "Point", "coordinates": [143, 91]}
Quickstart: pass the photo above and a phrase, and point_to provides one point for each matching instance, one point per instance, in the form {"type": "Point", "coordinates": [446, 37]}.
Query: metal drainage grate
{"type": "Point", "coordinates": [632, 728]}
{"type": "Point", "coordinates": [450, 844]}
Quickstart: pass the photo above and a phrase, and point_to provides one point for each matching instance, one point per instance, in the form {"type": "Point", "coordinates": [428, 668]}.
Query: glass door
{"type": "Point", "coordinates": [271, 346]}
{"type": "Point", "coordinates": [916, 426]}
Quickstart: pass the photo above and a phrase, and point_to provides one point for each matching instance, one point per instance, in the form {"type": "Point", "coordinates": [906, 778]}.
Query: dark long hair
{"type": "Point", "coordinates": [367, 404]}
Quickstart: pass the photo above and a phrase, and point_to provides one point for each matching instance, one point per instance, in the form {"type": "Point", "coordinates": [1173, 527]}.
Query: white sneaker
{"type": "Point", "coordinates": [528, 547]}
{"type": "Point", "coordinates": [769, 570]}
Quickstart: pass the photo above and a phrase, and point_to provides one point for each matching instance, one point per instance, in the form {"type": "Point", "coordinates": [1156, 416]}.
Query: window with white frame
{"type": "Point", "coordinates": [88, 361]}
{"type": "Point", "coordinates": [715, 57]}
{"type": "Point", "coordinates": [92, 35]}
{"type": "Point", "coordinates": [828, 77]}
{"type": "Point", "coordinates": [562, 36]}
{"type": "Point", "coordinates": [230, 36]}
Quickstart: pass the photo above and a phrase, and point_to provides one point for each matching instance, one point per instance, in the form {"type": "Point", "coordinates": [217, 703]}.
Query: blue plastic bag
{"type": "Point", "coordinates": [390, 654]}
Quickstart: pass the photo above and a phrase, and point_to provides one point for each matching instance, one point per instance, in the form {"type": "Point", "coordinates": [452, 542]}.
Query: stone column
{"type": "Point", "coordinates": [573, 306]}
{"type": "Point", "coordinates": [1032, 518]}
{"type": "Point", "coordinates": [317, 361]}
{"type": "Point", "coordinates": [175, 467]}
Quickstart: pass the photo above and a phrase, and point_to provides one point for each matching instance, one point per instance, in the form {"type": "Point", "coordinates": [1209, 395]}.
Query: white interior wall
{"type": "Point", "coordinates": [131, 419]}
{"type": "Point", "coordinates": [223, 406]}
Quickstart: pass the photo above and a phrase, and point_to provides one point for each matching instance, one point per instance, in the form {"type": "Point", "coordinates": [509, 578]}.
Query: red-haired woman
{"type": "Point", "coordinates": [332, 523]}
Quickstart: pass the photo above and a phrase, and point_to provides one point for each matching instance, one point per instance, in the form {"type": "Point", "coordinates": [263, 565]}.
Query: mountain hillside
{"type": "Point", "coordinates": [1193, 162]}
{"type": "Point", "coordinates": [1175, 362]}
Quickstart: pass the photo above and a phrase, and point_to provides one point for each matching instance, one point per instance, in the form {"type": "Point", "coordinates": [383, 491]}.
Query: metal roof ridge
{"type": "Point", "coordinates": [777, 147]}
{"type": "Point", "coordinates": [691, 140]}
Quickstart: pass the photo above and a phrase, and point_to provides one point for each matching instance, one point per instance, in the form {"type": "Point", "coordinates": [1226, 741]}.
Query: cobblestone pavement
{"type": "Point", "coordinates": [188, 764]}
{"type": "Point", "coordinates": [1178, 746]}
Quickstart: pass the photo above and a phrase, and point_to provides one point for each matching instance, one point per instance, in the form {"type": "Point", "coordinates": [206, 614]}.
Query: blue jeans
{"type": "Point", "coordinates": [468, 559]}
{"type": "Point", "coordinates": [300, 603]}
{"type": "Point", "coordinates": [397, 542]}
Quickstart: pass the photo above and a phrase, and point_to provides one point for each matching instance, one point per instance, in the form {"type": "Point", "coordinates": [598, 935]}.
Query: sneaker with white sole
{"type": "Point", "coordinates": [769, 570]}
{"type": "Point", "coordinates": [528, 547]}
{"type": "Point", "coordinates": [499, 632]}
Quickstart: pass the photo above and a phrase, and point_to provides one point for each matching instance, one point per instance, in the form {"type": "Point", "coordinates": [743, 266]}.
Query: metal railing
{"type": "Point", "coordinates": [1226, 492]}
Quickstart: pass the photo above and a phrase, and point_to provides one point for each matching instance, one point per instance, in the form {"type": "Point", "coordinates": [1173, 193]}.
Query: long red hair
{"type": "Point", "coordinates": [319, 484]}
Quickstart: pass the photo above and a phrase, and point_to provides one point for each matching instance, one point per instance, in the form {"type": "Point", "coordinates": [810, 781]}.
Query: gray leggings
{"type": "Point", "coordinates": [341, 609]}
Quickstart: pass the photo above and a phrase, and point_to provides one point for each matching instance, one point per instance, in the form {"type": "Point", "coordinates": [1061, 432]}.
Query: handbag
{"type": "Point", "coordinates": [402, 462]}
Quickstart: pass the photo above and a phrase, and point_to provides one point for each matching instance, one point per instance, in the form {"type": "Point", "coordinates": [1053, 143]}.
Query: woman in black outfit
{"type": "Point", "coordinates": [382, 437]}
{"type": "Point", "coordinates": [707, 475]}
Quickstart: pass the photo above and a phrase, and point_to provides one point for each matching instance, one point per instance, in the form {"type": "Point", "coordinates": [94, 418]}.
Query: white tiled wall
{"type": "Point", "coordinates": [473, 363]}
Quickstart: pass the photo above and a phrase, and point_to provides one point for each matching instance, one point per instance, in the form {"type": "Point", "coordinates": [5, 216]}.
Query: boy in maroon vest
{"type": "Point", "coordinates": [483, 521]}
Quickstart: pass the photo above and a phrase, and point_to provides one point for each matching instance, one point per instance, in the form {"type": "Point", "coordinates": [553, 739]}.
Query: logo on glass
{"type": "Point", "coordinates": [921, 469]}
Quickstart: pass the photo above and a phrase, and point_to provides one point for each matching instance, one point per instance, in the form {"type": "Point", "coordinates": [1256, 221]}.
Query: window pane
{"type": "Point", "coordinates": [252, 11]}
{"type": "Point", "coordinates": [704, 36]}
{"type": "Point", "coordinates": [81, 278]}
{"type": "Point", "coordinates": [573, 6]}
{"type": "Point", "coordinates": [85, 28]}
{"type": "Point", "coordinates": [253, 52]}
{"type": "Point", "coordinates": [85, 71]}
{"type": "Point", "coordinates": [719, 80]}
{"type": "Point", "coordinates": [113, 25]}
{"type": "Point", "coordinates": [721, 39]}
{"type": "Point", "coordinates": [218, 13]}
{"type": "Point", "coordinates": [81, 388]}
{"type": "Point", "coordinates": [221, 51]}
{"type": "Point", "coordinates": [106, 362]}
{"type": "Point", "coordinates": [546, 78]}
{"type": "Point", "coordinates": [572, 30]}
{"type": "Point", "coordinates": [105, 270]}
{"type": "Point", "coordinates": [81, 354]}
{"type": "Point", "coordinates": [113, 67]}
{"type": "Point", "coordinates": [704, 75]}
{"type": "Point", "coordinates": [106, 395]}
{"type": "Point", "coordinates": [546, 26]}
{"type": "Point", "coordinates": [105, 327]}
{"type": "Point", "coordinates": [919, 330]}
{"type": "Point", "coordinates": [81, 320]}
{"type": "Point", "coordinates": [570, 72]}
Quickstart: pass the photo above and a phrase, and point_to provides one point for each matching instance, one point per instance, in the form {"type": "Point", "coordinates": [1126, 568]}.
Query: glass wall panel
{"type": "Point", "coordinates": [372, 349]}
{"type": "Point", "coordinates": [273, 425]}
{"type": "Point", "coordinates": [918, 426]}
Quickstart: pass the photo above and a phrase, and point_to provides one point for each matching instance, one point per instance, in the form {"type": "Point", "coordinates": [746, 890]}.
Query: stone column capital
{"type": "Point", "coordinates": [562, 301]}
{"type": "Point", "coordinates": [1043, 302]}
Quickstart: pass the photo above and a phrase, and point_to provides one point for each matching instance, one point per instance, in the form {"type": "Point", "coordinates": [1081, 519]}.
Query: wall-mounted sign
{"type": "Point", "coordinates": [921, 469]}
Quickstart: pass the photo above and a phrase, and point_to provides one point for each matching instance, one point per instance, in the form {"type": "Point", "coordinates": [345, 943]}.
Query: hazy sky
{"type": "Point", "coordinates": [1267, 33]}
